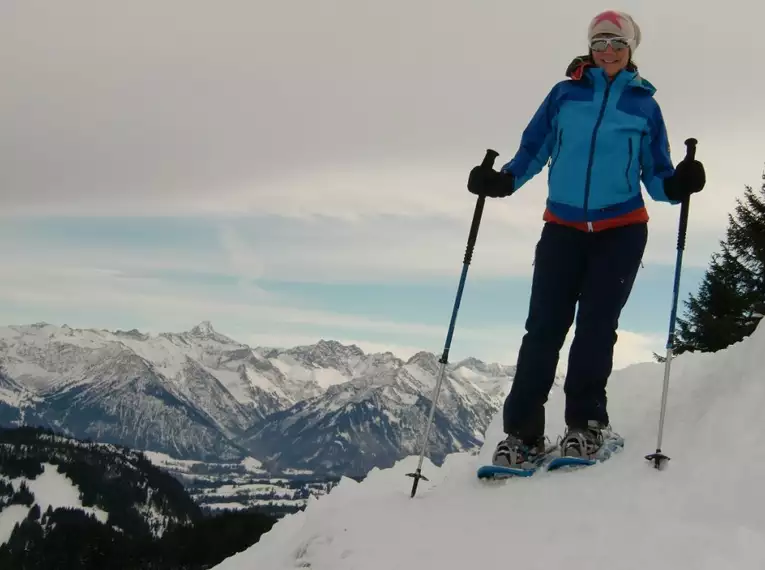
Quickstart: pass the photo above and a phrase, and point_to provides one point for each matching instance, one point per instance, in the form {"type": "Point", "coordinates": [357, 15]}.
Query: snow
{"type": "Point", "coordinates": [251, 464]}
{"type": "Point", "coordinates": [233, 382]}
{"type": "Point", "coordinates": [31, 375]}
{"type": "Point", "coordinates": [163, 354]}
{"type": "Point", "coordinates": [9, 518]}
{"type": "Point", "coordinates": [704, 511]}
{"type": "Point", "coordinates": [50, 489]}
{"type": "Point", "coordinates": [227, 506]}
{"type": "Point", "coordinates": [324, 377]}
{"type": "Point", "coordinates": [204, 328]}
{"type": "Point", "coordinates": [166, 461]}
{"type": "Point", "coordinates": [11, 398]}
{"type": "Point", "coordinates": [54, 489]}
{"type": "Point", "coordinates": [254, 502]}
{"type": "Point", "coordinates": [243, 489]}
{"type": "Point", "coordinates": [260, 380]}
{"type": "Point", "coordinates": [290, 471]}
{"type": "Point", "coordinates": [467, 374]}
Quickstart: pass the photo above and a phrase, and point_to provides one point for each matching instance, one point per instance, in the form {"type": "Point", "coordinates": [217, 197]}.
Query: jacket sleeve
{"type": "Point", "coordinates": [536, 142]}
{"type": "Point", "coordinates": [655, 160]}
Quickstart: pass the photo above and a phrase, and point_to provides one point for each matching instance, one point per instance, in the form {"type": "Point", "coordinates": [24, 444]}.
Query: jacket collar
{"type": "Point", "coordinates": [582, 68]}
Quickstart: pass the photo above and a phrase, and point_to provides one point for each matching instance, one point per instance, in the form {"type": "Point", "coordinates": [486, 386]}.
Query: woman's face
{"type": "Point", "coordinates": [611, 53]}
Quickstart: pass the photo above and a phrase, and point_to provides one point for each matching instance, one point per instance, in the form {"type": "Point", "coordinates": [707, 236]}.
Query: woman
{"type": "Point", "coordinates": [601, 132]}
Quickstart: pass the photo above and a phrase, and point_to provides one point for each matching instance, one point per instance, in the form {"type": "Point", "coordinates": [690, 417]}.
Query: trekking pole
{"type": "Point", "coordinates": [658, 457]}
{"type": "Point", "coordinates": [488, 162]}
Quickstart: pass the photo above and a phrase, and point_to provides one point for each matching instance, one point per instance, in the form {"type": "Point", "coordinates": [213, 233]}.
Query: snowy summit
{"type": "Point", "coordinates": [703, 511]}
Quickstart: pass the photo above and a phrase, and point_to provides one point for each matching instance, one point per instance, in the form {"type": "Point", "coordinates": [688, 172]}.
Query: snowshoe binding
{"type": "Point", "coordinates": [582, 446]}
{"type": "Point", "coordinates": [515, 458]}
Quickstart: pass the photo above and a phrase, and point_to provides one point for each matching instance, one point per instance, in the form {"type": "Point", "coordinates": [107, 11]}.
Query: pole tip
{"type": "Point", "coordinates": [416, 476]}
{"type": "Point", "coordinates": [659, 459]}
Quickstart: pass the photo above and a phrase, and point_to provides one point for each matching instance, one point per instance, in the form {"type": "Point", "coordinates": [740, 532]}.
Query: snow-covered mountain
{"type": "Point", "coordinates": [704, 510]}
{"type": "Point", "coordinates": [67, 503]}
{"type": "Point", "coordinates": [188, 395]}
{"type": "Point", "coordinates": [202, 395]}
{"type": "Point", "coordinates": [378, 415]}
{"type": "Point", "coordinates": [117, 486]}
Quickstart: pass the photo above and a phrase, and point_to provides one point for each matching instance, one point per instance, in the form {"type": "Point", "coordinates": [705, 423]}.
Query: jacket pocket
{"type": "Point", "coordinates": [627, 171]}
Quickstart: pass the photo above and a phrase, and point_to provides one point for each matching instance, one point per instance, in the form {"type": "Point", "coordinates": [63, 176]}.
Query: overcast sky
{"type": "Point", "coordinates": [296, 170]}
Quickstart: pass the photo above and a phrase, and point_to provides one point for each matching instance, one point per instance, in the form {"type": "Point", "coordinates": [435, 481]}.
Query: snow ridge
{"type": "Point", "coordinates": [702, 511]}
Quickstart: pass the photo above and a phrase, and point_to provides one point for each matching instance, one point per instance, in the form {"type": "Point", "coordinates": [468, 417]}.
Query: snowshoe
{"type": "Point", "coordinates": [514, 458]}
{"type": "Point", "coordinates": [587, 446]}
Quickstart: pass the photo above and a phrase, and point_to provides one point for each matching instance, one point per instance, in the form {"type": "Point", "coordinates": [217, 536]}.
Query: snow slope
{"type": "Point", "coordinates": [50, 489]}
{"type": "Point", "coordinates": [704, 511]}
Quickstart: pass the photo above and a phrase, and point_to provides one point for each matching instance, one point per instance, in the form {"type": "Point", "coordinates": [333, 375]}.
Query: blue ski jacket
{"type": "Point", "coordinates": [600, 139]}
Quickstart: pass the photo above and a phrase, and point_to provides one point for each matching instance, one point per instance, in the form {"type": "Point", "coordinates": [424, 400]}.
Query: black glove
{"type": "Point", "coordinates": [689, 178]}
{"type": "Point", "coordinates": [485, 181]}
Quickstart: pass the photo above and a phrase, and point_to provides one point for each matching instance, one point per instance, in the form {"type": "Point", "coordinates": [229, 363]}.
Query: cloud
{"type": "Point", "coordinates": [247, 116]}
{"type": "Point", "coordinates": [631, 347]}
{"type": "Point", "coordinates": [113, 297]}
{"type": "Point", "coordinates": [187, 108]}
{"type": "Point", "coordinates": [173, 301]}
{"type": "Point", "coordinates": [395, 248]}
{"type": "Point", "coordinates": [241, 258]}
{"type": "Point", "coordinates": [329, 147]}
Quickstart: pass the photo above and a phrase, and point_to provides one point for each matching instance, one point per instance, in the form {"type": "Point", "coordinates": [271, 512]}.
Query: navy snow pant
{"type": "Point", "coordinates": [597, 270]}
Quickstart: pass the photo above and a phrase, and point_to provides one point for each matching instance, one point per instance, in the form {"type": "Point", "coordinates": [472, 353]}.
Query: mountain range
{"type": "Point", "coordinates": [325, 408]}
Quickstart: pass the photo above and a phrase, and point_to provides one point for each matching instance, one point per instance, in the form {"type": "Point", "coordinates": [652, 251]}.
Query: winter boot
{"type": "Point", "coordinates": [596, 441]}
{"type": "Point", "coordinates": [513, 452]}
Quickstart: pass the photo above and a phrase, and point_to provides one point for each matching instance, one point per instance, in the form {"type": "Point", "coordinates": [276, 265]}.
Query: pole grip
{"type": "Point", "coordinates": [488, 162]}
{"type": "Point", "coordinates": [690, 149]}
{"type": "Point", "coordinates": [488, 159]}
{"type": "Point", "coordinates": [690, 154]}
{"type": "Point", "coordinates": [684, 206]}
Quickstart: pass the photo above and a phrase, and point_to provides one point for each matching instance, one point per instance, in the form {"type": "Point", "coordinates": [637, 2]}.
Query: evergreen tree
{"type": "Point", "coordinates": [731, 298]}
{"type": "Point", "coordinates": [136, 494]}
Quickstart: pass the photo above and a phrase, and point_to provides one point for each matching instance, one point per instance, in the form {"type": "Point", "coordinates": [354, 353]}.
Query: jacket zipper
{"type": "Point", "coordinates": [557, 154]}
{"type": "Point", "coordinates": [629, 165]}
{"type": "Point", "coordinates": [592, 154]}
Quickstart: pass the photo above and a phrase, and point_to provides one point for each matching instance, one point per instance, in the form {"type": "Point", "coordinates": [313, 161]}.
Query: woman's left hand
{"type": "Point", "coordinates": [689, 178]}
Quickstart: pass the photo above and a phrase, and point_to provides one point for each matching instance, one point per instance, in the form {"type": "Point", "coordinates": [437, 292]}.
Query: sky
{"type": "Point", "coordinates": [297, 171]}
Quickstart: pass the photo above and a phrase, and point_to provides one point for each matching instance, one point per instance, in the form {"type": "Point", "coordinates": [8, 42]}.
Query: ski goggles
{"type": "Point", "coordinates": [601, 44]}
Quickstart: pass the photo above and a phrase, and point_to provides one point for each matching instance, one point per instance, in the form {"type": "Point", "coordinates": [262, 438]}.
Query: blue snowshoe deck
{"type": "Point", "coordinates": [567, 461]}
{"type": "Point", "coordinates": [501, 472]}
{"type": "Point", "coordinates": [551, 460]}
{"type": "Point", "coordinates": [609, 447]}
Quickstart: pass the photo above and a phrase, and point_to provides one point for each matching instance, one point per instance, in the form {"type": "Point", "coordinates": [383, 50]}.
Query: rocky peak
{"type": "Point", "coordinates": [425, 360]}
{"type": "Point", "coordinates": [203, 329]}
